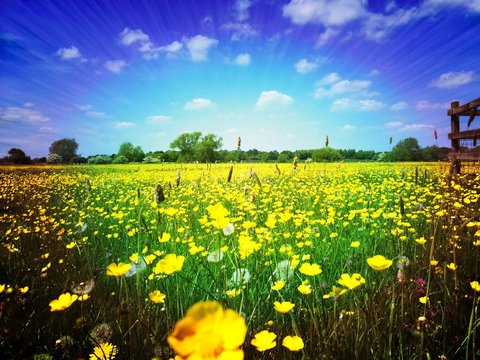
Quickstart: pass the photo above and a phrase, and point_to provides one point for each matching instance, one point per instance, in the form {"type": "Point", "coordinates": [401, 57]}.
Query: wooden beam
{"type": "Point", "coordinates": [470, 156]}
{"type": "Point", "coordinates": [467, 134]}
{"type": "Point", "coordinates": [456, 110]}
{"type": "Point", "coordinates": [469, 113]}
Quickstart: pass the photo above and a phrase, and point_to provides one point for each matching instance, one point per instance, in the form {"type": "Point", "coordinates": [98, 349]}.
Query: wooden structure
{"type": "Point", "coordinates": [455, 112]}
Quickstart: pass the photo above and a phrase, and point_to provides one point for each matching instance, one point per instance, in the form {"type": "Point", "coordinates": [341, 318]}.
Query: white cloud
{"type": "Point", "coordinates": [374, 72]}
{"type": "Point", "coordinates": [473, 5]}
{"type": "Point", "coordinates": [304, 66]}
{"type": "Point", "coordinates": [349, 127]}
{"type": "Point", "coordinates": [427, 105]}
{"type": "Point", "coordinates": [393, 124]}
{"type": "Point", "coordinates": [97, 114]}
{"type": "Point", "coordinates": [348, 104]}
{"type": "Point", "coordinates": [158, 119]}
{"type": "Point", "coordinates": [84, 107]}
{"type": "Point", "coordinates": [199, 104]}
{"type": "Point", "coordinates": [339, 86]}
{"type": "Point", "coordinates": [172, 47]}
{"type": "Point", "coordinates": [199, 45]}
{"type": "Point", "coordinates": [401, 105]}
{"type": "Point", "coordinates": [241, 6]}
{"type": "Point", "coordinates": [272, 98]}
{"type": "Point", "coordinates": [416, 127]}
{"type": "Point", "coordinates": [123, 124]}
{"type": "Point", "coordinates": [129, 37]}
{"type": "Point", "coordinates": [22, 114]}
{"type": "Point", "coordinates": [68, 53]}
{"type": "Point", "coordinates": [452, 79]}
{"type": "Point", "coordinates": [243, 60]}
{"type": "Point", "coordinates": [326, 12]}
{"type": "Point", "coordinates": [240, 30]}
{"type": "Point", "coordinates": [115, 66]}
{"type": "Point", "coordinates": [325, 36]}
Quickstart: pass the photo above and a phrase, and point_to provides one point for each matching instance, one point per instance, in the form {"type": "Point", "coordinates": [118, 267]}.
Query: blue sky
{"type": "Point", "coordinates": [280, 74]}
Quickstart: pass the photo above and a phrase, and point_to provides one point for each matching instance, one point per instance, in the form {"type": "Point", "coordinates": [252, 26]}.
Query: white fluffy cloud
{"type": "Point", "coordinates": [347, 104]}
{"type": "Point", "coordinates": [326, 12]}
{"type": "Point", "coordinates": [272, 98]}
{"type": "Point", "coordinates": [416, 127]}
{"type": "Point", "coordinates": [349, 127]}
{"type": "Point", "coordinates": [70, 53]}
{"type": "Point", "coordinates": [199, 104]}
{"type": "Point", "coordinates": [199, 45]}
{"type": "Point", "coordinates": [241, 6]}
{"type": "Point", "coordinates": [154, 119]}
{"type": "Point", "coordinates": [145, 45]}
{"type": "Point", "coordinates": [401, 105]}
{"type": "Point", "coordinates": [243, 60]}
{"type": "Point", "coordinates": [453, 79]}
{"type": "Point", "coordinates": [123, 124]}
{"type": "Point", "coordinates": [324, 37]}
{"type": "Point", "coordinates": [115, 66]}
{"type": "Point", "coordinates": [97, 114]}
{"type": "Point", "coordinates": [393, 124]}
{"type": "Point", "coordinates": [332, 84]}
{"type": "Point", "coordinates": [26, 113]}
{"type": "Point", "coordinates": [239, 30]}
{"type": "Point", "coordinates": [129, 36]}
{"type": "Point", "coordinates": [427, 105]}
{"type": "Point", "coordinates": [303, 66]}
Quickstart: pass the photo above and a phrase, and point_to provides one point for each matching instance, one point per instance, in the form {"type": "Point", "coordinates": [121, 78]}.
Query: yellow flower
{"type": "Point", "coordinates": [304, 289]}
{"type": "Point", "coordinates": [157, 297]}
{"type": "Point", "coordinates": [283, 307]}
{"type": "Point", "coordinates": [264, 340]}
{"type": "Point", "coordinates": [83, 297]}
{"type": "Point", "coordinates": [335, 293]}
{"type": "Point", "coordinates": [117, 270]}
{"type": "Point", "coordinates": [293, 343]}
{"type": "Point", "coordinates": [70, 245]}
{"type": "Point", "coordinates": [134, 258]}
{"type": "Point", "coordinates": [421, 240]}
{"type": "Point", "coordinates": [233, 292]}
{"type": "Point", "coordinates": [104, 351]}
{"type": "Point", "coordinates": [2, 288]}
{"type": "Point", "coordinates": [169, 264]}
{"type": "Point", "coordinates": [165, 237]}
{"type": "Point", "coordinates": [310, 269]}
{"type": "Point", "coordinates": [351, 282]}
{"type": "Point", "coordinates": [475, 286]}
{"type": "Point", "coordinates": [355, 244]}
{"type": "Point", "coordinates": [63, 302]}
{"type": "Point", "coordinates": [279, 285]}
{"type": "Point", "coordinates": [452, 266]}
{"type": "Point", "coordinates": [23, 290]}
{"type": "Point", "coordinates": [208, 332]}
{"type": "Point", "coordinates": [378, 262]}
{"type": "Point", "coordinates": [218, 214]}
{"type": "Point", "coordinates": [423, 299]}
{"type": "Point", "coordinates": [433, 262]}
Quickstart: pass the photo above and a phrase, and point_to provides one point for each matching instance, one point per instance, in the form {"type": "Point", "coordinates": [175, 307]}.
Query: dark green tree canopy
{"type": "Point", "coordinates": [17, 156]}
{"type": "Point", "coordinates": [66, 148]}
{"type": "Point", "coordinates": [406, 150]}
{"type": "Point", "coordinates": [186, 143]}
{"type": "Point", "coordinates": [130, 153]}
{"type": "Point", "coordinates": [206, 149]}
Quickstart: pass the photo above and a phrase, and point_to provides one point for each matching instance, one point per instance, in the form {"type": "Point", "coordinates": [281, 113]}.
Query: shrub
{"type": "Point", "coordinates": [100, 159]}
{"type": "Point", "coordinates": [54, 158]}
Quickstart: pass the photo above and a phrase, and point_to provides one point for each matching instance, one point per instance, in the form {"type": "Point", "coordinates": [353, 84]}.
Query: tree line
{"type": "Point", "coordinates": [196, 147]}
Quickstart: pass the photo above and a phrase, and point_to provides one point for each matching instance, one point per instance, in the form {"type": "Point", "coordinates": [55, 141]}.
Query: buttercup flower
{"type": "Point", "coordinates": [475, 286]}
{"type": "Point", "coordinates": [104, 351]}
{"type": "Point", "coordinates": [208, 332]}
{"type": "Point", "coordinates": [157, 297]}
{"type": "Point", "coordinates": [279, 285]}
{"type": "Point", "coordinates": [351, 282]}
{"type": "Point", "coordinates": [283, 307]}
{"type": "Point", "coordinates": [264, 340]}
{"type": "Point", "coordinates": [310, 269]}
{"type": "Point", "coordinates": [335, 293]}
{"type": "Point", "coordinates": [378, 262]}
{"type": "Point", "coordinates": [293, 343]}
{"type": "Point", "coordinates": [118, 270]}
{"type": "Point", "coordinates": [169, 264]}
{"type": "Point", "coordinates": [63, 302]}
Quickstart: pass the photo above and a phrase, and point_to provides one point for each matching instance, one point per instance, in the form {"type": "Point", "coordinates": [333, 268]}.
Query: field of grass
{"type": "Point", "coordinates": [137, 245]}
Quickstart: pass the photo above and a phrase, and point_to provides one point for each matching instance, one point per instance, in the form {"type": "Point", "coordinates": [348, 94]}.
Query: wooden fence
{"type": "Point", "coordinates": [458, 154]}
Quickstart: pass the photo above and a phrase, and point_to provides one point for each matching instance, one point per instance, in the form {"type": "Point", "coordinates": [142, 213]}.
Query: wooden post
{"type": "Point", "coordinates": [455, 128]}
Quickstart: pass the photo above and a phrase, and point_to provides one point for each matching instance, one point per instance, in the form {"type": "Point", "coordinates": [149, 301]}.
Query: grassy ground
{"type": "Point", "coordinates": [61, 228]}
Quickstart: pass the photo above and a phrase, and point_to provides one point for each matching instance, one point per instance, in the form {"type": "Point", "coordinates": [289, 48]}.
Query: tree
{"type": "Point", "coordinates": [205, 150]}
{"type": "Point", "coordinates": [53, 158]}
{"type": "Point", "coordinates": [17, 156]}
{"type": "Point", "coordinates": [66, 148]}
{"type": "Point", "coordinates": [406, 150]}
{"type": "Point", "coordinates": [130, 152]}
{"type": "Point", "coordinates": [186, 143]}
{"type": "Point", "coordinates": [285, 156]}
{"type": "Point", "coordinates": [326, 154]}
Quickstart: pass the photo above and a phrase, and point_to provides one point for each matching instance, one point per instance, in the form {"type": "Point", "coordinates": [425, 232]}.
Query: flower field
{"type": "Point", "coordinates": [328, 261]}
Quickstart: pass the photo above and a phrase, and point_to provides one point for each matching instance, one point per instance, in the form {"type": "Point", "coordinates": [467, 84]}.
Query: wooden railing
{"type": "Point", "coordinates": [469, 109]}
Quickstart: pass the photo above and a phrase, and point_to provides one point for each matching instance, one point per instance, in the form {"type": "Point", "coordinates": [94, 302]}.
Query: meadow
{"type": "Point", "coordinates": [326, 261]}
